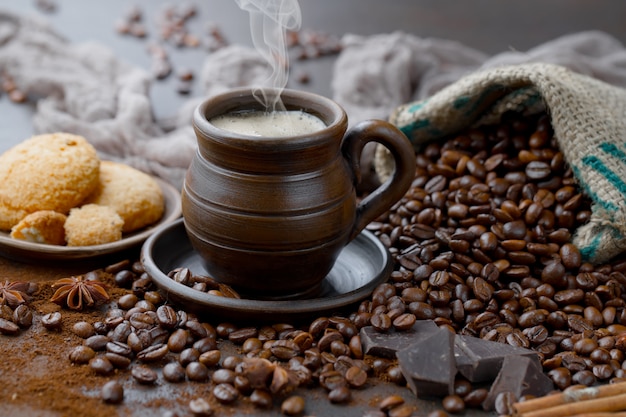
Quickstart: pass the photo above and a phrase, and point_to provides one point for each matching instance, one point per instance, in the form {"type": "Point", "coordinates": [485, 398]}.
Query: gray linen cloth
{"type": "Point", "coordinates": [84, 88]}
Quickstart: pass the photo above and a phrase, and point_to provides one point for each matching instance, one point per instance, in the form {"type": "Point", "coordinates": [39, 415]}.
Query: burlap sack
{"type": "Point", "coordinates": [589, 121]}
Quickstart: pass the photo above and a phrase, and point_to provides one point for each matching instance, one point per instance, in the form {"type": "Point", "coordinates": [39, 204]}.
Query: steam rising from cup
{"type": "Point", "coordinates": [269, 22]}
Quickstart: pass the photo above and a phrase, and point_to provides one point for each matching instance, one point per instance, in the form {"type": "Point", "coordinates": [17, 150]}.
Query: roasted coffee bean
{"type": "Point", "coordinates": [97, 342]}
{"type": "Point", "coordinates": [23, 316]}
{"type": "Point", "coordinates": [225, 393]}
{"type": "Point", "coordinates": [476, 397]}
{"type": "Point", "coordinates": [197, 371]}
{"type": "Point", "coordinates": [261, 399]}
{"type": "Point", "coordinates": [118, 348]}
{"type": "Point", "coordinates": [52, 321]}
{"type": "Point", "coordinates": [239, 336]}
{"type": "Point", "coordinates": [200, 407]}
{"type": "Point", "coordinates": [83, 329]}
{"type": "Point", "coordinates": [153, 353]}
{"type": "Point", "coordinates": [293, 406]}
{"type": "Point", "coordinates": [223, 376]}
{"type": "Point", "coordinates": [144, 375]}
{"type": "Point", "coordinates": [205, 344]}
{"type": "Point", "coordinates": [404, 321]}
{"type": "Point", "coordinates": [112, 392]}
{"type": "Point", "coordinates": [81, 354]}
{"type": "Point", "coordinates": [453, 404]}
{"type": "Point", "coordinates": [210, 358]}
{"type": "Point", "coordinates": [124, 278]}
{"type": "Point", "coordinates": [356, 377]}
{"type": "Point", "coordinates": [390, 402]}
{"type": "Point", "coordinates": [340, 395]}
{"type": "Point", "coordinates": [118, 361]}
{"type": "Point", "coordinates": [178, 340]}
{"type": "Point", "coordinates": [504, 403]}
{"type": "Point", "coordinates": [101, 365]}
{"type": "Point", "coordinates": [189, 355]}
{"type": "Point", "coordinates": [166, 317]}
{"type": "Point", "coordinates": [174, 372]}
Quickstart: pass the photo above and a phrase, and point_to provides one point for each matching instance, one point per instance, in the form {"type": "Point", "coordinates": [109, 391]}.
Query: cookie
{"type": "Point", "coordinates": [45, 226]}
{"type": "Point", "coordinates": [92, 224]}
{"type": "Point", "coordinates": [46, 172]}
{"type": "Point", "coordinates": [134, 195]}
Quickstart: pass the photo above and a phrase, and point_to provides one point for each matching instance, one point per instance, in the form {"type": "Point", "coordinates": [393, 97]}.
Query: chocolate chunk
{"type": "Point", "coordinates": [480, 360]}
{"type": "Point", "coordinates": [386, 345]}
{"type": "Point", "coordinates": [519, 375]}
{"type": "Point", "coordinates": [428, 365]}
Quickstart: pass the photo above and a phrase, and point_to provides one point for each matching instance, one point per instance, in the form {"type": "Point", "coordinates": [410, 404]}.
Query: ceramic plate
{"type": "Point", "coordinates": [29, 251]}
{"type": "Point", "coordinates": [362, 265]}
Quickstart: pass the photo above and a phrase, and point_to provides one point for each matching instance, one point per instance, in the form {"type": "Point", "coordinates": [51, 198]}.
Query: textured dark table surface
{"type": "Point", "coordinates": [489, 25]}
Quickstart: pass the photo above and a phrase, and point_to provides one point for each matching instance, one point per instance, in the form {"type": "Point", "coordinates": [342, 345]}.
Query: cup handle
{"type": "Point", "coordinates": [392, 190]}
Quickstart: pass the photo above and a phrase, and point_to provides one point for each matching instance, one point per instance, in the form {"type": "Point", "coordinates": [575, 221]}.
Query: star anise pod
{"type": "Point", "coordinates": [13, 293]}
{"type": "Point", "coordinates": [77, 292]}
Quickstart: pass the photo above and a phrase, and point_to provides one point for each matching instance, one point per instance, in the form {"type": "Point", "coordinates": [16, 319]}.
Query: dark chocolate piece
{"type": "Point", "coordinates": [428, 365]}
{"type": "Point", "coordinates": [520, 375]}
{"type": "Point", "coordinates": [385, 345]}
{"type": "Point", "coordinates": [480, 360]}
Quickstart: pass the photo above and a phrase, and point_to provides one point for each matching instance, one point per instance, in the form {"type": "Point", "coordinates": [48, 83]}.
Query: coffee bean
{"type": "Point", "coordinates": [225, 393]}
{"type": "Point", "coordinates": [118, 361]}
{"type": "Point", "coordinates": [453, 404]}
{"type": "Point", "coordinates": [101, 365]}
{"type": "Point", "coordinates": [118, 348]}
{"type": "Point", "coordinates": [261, 399]}
{"type": "Point", "coordinates": [166, 316]}
{"type": "Point", "coordinates": [210, 358]}
{"type": "Point", "coordinates": [189, 355]}
{"type": "Point", "coordinates": [52, 321]}
{"type": "Point", "coordinates": [200, 407]}
{"type": "Point", "coordinates": [23, 316]}
{"type": "Point", "coordinates": [81, 354]}
{"type": "Point", "coordinates": [293, 406]}
{"type": "Point", "coordinates": [504, 403]}
{"type": "Point", "coordinates": [144, 375]}
{"type": "Point", "coordinates": [356, 377]}
{"type": "Point", "coordinates": [340, 395]}
{"type": "Point", "coordinates": [177, 340]}
{"type": "Point", "coordinates": [404, 321]}
{"type": "Point", "coordinates": [174, 372]}
{"type": "Point", "coordinates": [97, 342]}
{"type": "Point", "coordinates": [112, 392]}
{"type": "Point", "coordinates": [197, 371]}
{"type": "Point", "coordinates": [381, 322]}
{"type": "Point", "coordinates": [476, 397]}
{"type": "Point", "coordinates": [153, 353]}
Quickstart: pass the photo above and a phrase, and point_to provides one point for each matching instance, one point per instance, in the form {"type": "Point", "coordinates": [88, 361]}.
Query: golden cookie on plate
{"type": "Point", "coordinates": [92, 224]}
{"type": "Point", "coordinates": [46, 172]}
{"type": "Point", "coordinates": [134, 195]}
{"type": "Point", "coordinates": [44, 226]}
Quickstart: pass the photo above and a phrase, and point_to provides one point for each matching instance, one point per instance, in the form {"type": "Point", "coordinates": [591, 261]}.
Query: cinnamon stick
{"type": "Point", "coordinates": [604, 404]}
{"type": "Point", "coordinates": [600, 414]}
{"type": "Point", "coordinates": [568, 397]}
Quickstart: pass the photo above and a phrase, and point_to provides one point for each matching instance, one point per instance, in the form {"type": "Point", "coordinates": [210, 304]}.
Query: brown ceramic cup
{"type": "Point", "coordinates": [269, 216]}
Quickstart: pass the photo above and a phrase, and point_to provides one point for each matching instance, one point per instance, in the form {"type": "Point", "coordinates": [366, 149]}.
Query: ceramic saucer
{"type": "Point", "coordinates": [362, 265]}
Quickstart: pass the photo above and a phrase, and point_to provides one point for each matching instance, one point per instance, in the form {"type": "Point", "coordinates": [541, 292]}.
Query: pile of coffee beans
{"type": "Point", "coordinates": [481, 244]}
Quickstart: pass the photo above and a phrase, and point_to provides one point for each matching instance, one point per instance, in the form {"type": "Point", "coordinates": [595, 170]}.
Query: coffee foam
{"type": "Point", "coordinates": [274, 124]}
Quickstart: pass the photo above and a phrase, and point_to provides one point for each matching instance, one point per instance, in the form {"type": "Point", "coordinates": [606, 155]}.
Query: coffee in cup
{"type": "Point", "coordinates": [269, 124]}
{"type": "Point", "coordinates": [270, 214]}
